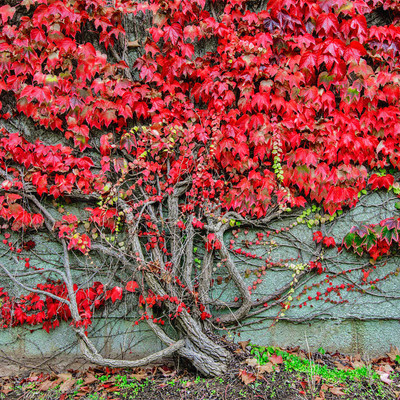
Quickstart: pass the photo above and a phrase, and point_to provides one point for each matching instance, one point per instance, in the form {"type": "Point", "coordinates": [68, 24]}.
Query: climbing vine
{"type": "Point", "coordinates": [224, 119]}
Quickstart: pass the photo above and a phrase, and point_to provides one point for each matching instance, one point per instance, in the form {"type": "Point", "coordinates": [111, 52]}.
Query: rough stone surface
{"type": "Point", "coordinates": [333, 327]}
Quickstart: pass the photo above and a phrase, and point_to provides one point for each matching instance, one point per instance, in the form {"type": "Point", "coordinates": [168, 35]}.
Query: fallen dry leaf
{"type": "Point", "coordinates": [244, 344]}
{"type": "Point", "coordinates": [67, 385]}
{"type": "Point", "coordinates": [83, 391]}
{"type": "Point", "coordinates": [386, 368]}
{"type": "Point", "coordinates": [47, 385]}
{"type": "Point", "coordinates": [252, 362]}
{"type": "Point", "coordinates": [112, 389]}
{"type": "Point", "coordinates": [393, 353]}
{"type": "Point", "coordinates": [357, 364]}
{"type": "Point", "coordinates": [90, 378]}
{"type": "Point", "coordinates": [133, 44]}
{"type": "Point", "coordinates": [64, 377]}
{"type": "Point", "coordinates": [167, 372]}
{"type": "Point", "coordinates": [337, 391]}
{"type": "Point", "coordinates": [33, 377]}
{"type": "Point", "coordinates": [268, 368]}
{"type": "Point", "coordinates": [7, 388]}
{"type": "Point", "coordinates": [324, 387]}
{"type": "Point", "coordinates": [139, 376]}
{"type": "Point", "coordinates": [385, 377]}
{"type": "Point", "coordinates": [246, 377]}
{"type": "Point", "coordinates": [275, 359]}
{"type": "Point", "coordinates": [342, 367]}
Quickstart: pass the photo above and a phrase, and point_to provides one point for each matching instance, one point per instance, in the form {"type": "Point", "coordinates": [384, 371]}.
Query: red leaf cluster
{"type": "Point", "coordinates": [296, 103]}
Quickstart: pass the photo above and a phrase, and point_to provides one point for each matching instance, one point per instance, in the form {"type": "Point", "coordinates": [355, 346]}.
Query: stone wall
{"type": "Point", "coordinates": [368, 323]}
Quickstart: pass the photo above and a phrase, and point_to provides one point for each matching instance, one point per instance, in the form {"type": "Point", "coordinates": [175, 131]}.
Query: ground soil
{"type": "Point", "coordinates": [243, 380]}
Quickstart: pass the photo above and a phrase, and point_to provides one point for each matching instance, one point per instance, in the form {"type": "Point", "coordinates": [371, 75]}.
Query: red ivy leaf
{"type": "Point", "coordinates": [115, 294]}
{"type": "Point", "coordinates": [354, 51]}
{"type": "Point", "coordinates": [6, 12]}
{"type": "Point", "coordinates": [329, 241]}
{"type": "Point", "coordinates": [131, 286]}
{"type": "Point", "coordinates": [317, 236]}
{"type": "Point", "coordinates": [173, 32]}
{"type": "Point", "coordinates": [327, 24]}
{"type": "Point", "coordinates": [377, 181]}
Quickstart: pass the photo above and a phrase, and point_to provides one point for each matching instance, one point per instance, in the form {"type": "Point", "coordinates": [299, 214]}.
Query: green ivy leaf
{"type": "Point", "coordinates": [348, 240]}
